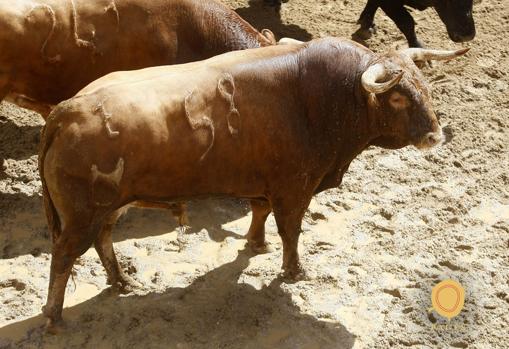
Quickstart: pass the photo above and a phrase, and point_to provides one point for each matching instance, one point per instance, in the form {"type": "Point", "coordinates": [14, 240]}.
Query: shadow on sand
{"type": "Point", "coordinates": [260, 15]}
{"type": "Point", "coordinates": [23, 227]}
{"type": "Point", "coordinates": [209, 214]}
{"type": "Point", "coordinates": [214, 311]}
{"type": "Point", "coordinates": [17, 142]}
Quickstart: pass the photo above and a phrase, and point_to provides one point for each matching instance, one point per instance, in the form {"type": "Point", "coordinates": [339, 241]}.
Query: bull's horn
{"type": "Point", "coordinates": [421, 54]}
{"type": "Point", "coordinates": [378, 72]}
{"type": "Point", "coordinates": [288, 41]}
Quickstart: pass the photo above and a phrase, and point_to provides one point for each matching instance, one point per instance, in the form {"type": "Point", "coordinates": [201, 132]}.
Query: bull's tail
{"type": "Point", "coordinates": [47, 135]}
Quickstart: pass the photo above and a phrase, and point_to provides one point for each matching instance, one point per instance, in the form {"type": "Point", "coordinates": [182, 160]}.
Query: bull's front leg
{"type": "Point", "coordinates": [289, 214]}
{"type": "Point", "coordinates": [256, 234]}
{"type": "Point", "coordinates": [403, 20]}
{"type": "Point", "coordinates": [366, 20]}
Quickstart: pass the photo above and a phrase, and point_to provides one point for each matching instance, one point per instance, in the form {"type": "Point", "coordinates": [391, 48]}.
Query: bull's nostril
{"type": "Point", "coordinates": [434, 138]}
{"type": "Point", "coordinates": [430, 140]}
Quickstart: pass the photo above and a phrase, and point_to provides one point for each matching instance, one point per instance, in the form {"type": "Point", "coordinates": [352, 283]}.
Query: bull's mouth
{"type": "Point", "coordinates": [430, 140]}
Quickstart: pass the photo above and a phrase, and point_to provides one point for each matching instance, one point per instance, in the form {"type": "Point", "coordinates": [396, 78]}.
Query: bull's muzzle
{"type": "Point", "coordinates": [462, 37]}
{"type": "Point", "coordinates": [431, 140]}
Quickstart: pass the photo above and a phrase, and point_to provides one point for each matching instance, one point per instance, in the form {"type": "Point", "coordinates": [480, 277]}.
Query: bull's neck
{"type": "Point", "coordinates": [224, 31]}
{"type": "Point", "coordinates": [245, 37]}
{"type": "Point", "coordinates": [335, 102]}
{"type": "Point", "coordinates": [336, 105]}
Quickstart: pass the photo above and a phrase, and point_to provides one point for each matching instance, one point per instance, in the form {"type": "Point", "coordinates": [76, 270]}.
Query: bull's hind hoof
{"type": "Point", "coordinates": [258, 248]}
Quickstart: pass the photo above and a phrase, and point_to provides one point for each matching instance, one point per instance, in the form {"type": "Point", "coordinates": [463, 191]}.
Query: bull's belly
{"type": "Point", "coordinates": [196, 182]}
{"type": "Point", "coordinates": [28, 103]}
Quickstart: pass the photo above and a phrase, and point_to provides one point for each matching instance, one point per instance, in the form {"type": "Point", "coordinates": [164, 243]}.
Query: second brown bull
{"type": "Point", "coordinates": [51, 49]}
{"type": "Point", "coordinates": [275, 125]}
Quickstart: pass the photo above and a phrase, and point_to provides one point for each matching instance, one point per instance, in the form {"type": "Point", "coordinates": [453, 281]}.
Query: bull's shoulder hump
{"type": "Point", "coordinates": [124, 77]}
{"type": "Point", "coordinates": [168, 72]}
{"type": "Point", "coordinates": [141, 85]}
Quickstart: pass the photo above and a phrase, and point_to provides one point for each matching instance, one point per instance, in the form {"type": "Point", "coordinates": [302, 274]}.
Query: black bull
{"type": "Point", "coordinates": [456, 15]}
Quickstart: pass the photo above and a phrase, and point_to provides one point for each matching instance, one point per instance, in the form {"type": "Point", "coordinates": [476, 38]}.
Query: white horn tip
{"type": "Point", "coordinates": [462, 51]}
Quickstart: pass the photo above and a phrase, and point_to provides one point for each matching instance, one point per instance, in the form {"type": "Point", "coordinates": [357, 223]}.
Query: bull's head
{"type": "Point", "coordinates": [457, 17]}
{"type": "Point", "coordinates": [400, 99]}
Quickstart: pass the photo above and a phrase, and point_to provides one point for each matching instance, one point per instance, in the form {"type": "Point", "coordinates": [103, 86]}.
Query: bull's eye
{"type": "Point", "coordinates": [398, 101]}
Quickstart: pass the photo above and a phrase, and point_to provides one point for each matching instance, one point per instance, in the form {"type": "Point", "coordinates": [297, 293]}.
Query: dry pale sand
{"type": "Point", "coordinates": [401, 222]}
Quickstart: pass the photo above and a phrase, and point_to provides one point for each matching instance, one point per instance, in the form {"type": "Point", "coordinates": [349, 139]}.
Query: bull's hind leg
{"type": "Point", "coordinates": [256, 234]}
{"type": "Point", "coordinates": [104, 247]}
{"type": "Point", "coordinates": [72, 242]}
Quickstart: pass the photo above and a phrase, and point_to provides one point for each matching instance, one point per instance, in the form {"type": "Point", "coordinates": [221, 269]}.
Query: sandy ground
{"type": "Point", "coordinates": [401, 222]}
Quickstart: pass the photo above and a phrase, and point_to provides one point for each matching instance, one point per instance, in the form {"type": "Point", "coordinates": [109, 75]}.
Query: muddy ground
{"type": "Point", "coordinates": [401, 222]}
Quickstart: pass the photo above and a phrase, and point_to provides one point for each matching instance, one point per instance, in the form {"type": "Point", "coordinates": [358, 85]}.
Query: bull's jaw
{"type": "Point", "coordinates": [430, 140]}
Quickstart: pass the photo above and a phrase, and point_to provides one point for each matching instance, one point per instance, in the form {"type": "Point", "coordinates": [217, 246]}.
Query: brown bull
{"type": "Point", "coordinates": [275, 125]}
{"type": "Point", "coordinates": [51, 49]}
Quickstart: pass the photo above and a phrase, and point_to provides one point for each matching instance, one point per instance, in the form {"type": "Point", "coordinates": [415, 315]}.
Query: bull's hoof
{"type": "Point", "coordinates": [295, 274]}
{"type": "Point", "coordinates": [55, 327]}
{"type": "Point", "coordinates": [126, 285]}
{"type": "Point", "coordinates": [364, 33]}
{"type": "Point", "coordinates": [183, 228]}
{"type": "Point", "coordinates": [260, 248]}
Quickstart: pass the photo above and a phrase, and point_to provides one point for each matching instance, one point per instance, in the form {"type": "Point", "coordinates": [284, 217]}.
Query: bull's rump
{"type": "Point", "coordinates": [157, 130]}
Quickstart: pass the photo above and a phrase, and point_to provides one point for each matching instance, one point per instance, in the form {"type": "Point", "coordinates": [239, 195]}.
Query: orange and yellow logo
{"type": "Point", "coordinates": [448, 298]}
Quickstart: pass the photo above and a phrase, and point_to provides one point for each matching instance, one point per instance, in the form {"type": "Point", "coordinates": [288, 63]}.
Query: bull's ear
{"type": "Point", "coordinates": [378, 72]}
{"type": "Point", "coordinates": [269, 35]}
